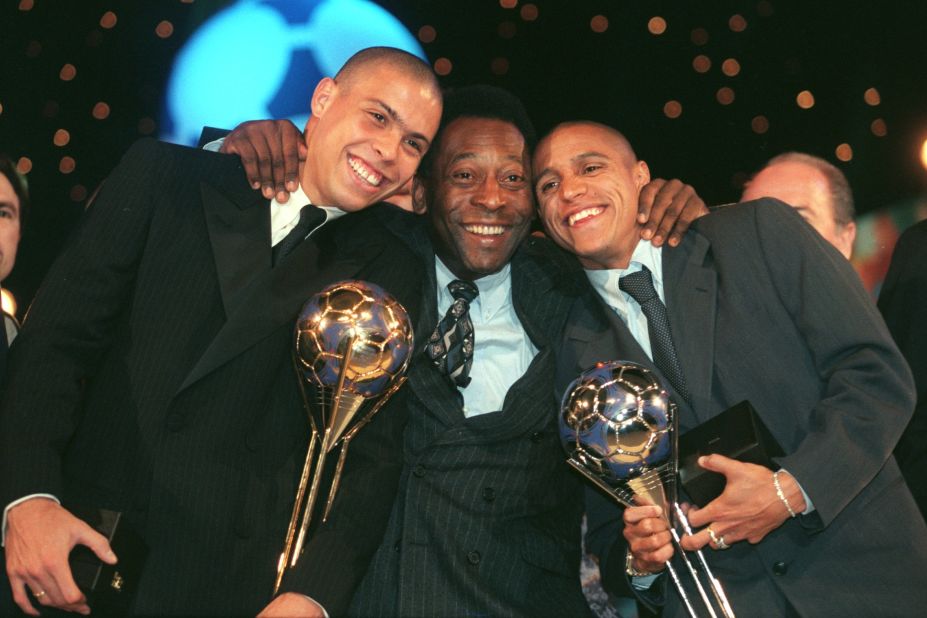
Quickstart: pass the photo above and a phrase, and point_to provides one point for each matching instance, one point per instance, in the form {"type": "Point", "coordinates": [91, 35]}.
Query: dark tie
{"type": "Point", "coordinates": [640, 286]}
{"type": "Point", "coordinates": [310, 217]}
{"type": "Point", "coordinates": [451, 345]}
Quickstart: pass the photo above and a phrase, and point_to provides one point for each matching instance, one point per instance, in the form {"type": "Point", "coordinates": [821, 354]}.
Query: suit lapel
{"type": "Point", "coordinates": [239, 232]}
{"type": "Point", "coordinates": [274, 297]}
{"type": "Point", "coordinates": [691, 292]}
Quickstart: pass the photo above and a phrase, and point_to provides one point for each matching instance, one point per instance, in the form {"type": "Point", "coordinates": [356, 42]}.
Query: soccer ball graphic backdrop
{"type": "Point", "coordinates": [262, 58]}
{"type": "Point", "coordinates": [615, 419]}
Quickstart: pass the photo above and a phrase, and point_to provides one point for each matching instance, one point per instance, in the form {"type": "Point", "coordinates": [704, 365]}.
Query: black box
{"type": "Point", "coordinates": [109, 588]}
{"type": "Point", "coordinates": [738, 433]}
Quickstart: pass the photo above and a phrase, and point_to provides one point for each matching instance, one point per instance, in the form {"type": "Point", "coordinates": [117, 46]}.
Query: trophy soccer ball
{"type": "Point", "coordinates": [615, 420]}
{"type": "Point", "coordinates": [360, 318]}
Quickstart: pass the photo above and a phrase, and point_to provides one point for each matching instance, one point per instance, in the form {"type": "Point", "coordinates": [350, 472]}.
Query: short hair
{"type": "Point", "coordinates": [20, 188]}
{"type": "Point", "coordinates": [480, 101]}
{"type": "Point", "coordinates": [841, 197]}
{"type": "Point", "coordinates": [401, 59]}
{"type": "Point", "coordinates": [615, 133]}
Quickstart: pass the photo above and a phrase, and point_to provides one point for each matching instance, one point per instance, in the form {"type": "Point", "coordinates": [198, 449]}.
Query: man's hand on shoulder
{"type": "Point", "coordinates": [666, 209]}
{"type": "Point", "coordinates": [290, 604]}
{"type": "Point", "coordinates": [271, 152]}
{"type": "Point", "coordinates": [40, 535]}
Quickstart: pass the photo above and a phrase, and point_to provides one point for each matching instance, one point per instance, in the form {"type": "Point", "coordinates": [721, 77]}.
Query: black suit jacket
{"type": "Point", "coordinates": [762, 308]}
{"type": "Point", "coordinates": [486, 521]}
{"type": "Point", "coordinates": [903, 303]}
{"type": "Point", "coordinates": [153, 376]}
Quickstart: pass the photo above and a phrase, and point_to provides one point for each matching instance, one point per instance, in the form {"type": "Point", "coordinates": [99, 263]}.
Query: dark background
{"type": "Point", "coordinates": [556, 62]}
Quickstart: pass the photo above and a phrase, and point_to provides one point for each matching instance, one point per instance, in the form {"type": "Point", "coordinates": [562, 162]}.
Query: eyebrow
{"type": "Point", "coordinates": [580, 157]}
{"type": "Point", "coordinates": [470, 154]}
{"type": "Point", "coordinates": [398, 120]}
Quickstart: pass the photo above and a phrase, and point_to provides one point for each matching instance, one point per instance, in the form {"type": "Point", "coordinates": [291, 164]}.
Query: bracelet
{"type": "Point", "coordinates": [788, 507]}
{"type": "Point", "coordinates": [629, 567]}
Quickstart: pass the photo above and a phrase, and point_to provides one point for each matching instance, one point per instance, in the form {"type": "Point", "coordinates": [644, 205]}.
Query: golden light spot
{"type": "Point", "coordinates": [61, 138]}
{"type": "Point", "coordinates": [146, 126]}
{"type": "Point", "coordinates": [68, 72]}
{"type": "Point", "coordinates": [7, 302]}
{"type": "Point", "coordinates": [427, 34]}
{"type": "Point", "coordinates": [499, 66]}
{"type": "Point", "coordinates": [844, 152]}
{"type": "Point", "coordinates": [78, 193]}
{"type": "Point", "coordinates": [725, 95]}
{"type": "Point", "coordinates": [24, 165]}
{"type": "Point", "coordinates": [737, 23]}
{"type": "Point", "coordinates": [26, 5]}
{"type": "Point", "coordinates": [924, 153]}
{"type": "Point", "coordinates": [764, 8]}
{"type": "Point", "coordinates": [701, 63]}
{"type": "Point", "coordinates": [879, 128]}
{"type": "Point", "coordinates": [1, 108]}
{"type": "Point", "coordinates": [508, 29]}
{"type": "Point", "coordinates": [872, 96]}
{"type": "Point", "coordinates": [529, 12]}
{"type": "Point", "coordinates": [656, 25]}
{"type": "Point", "coordinates": [759, 124]}
{"type": "Point", "coordinates": [164, 29]}
{"type": "Point", "coordinates": [730, 67]}
{"type": "Point", "coordinates": [100, 111]}
{"type": "Point", "coordinates": [672, 109]}
{"type": "Point", "coordinates": [443, 66]}
{"type": "Point", "coordinates": [805, 99]}
{"type": "Point", "coordinates": [599, 23]}
{"type": "Point", "coordinates": [108, 20]}
{"type": "Point", "coordinates": [699, 36]}
{"type": "Point", "coordinates": [67, 165]}
{"type": "Point", "coordinates": [508, 4]}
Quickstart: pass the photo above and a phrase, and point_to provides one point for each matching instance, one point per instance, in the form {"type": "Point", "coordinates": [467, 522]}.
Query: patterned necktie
{"type": "Point", "coordinates": [310, 217]}
{"type": "Point", "coordinates": [640, 286]}
{"type": "Point", "coordinates": [451, 345]}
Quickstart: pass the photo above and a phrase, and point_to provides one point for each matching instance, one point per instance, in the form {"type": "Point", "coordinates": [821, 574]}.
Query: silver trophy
{"type": "Point", "coordinates": [620, 430]}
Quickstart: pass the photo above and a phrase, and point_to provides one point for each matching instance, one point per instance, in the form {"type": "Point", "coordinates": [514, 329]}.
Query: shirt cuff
{"type": "Point", "coordinates": [645, 582]}
{"type": "Point", "coordinates": [214, 145]}
{"type": "Point", "coordinates": [17, 502]}
{"type": "Point", "coordinates": [809, 505]}
{"type": "Point", "coordinates": [324, 611]}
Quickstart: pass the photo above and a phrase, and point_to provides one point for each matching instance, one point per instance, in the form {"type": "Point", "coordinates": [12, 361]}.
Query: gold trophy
{"type": "Point", "coordinates": [353, 344]}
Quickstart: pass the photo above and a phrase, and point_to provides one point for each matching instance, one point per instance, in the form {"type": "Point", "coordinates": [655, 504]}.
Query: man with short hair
{"type": "Point", "coordinates": [755, 305]}
{"type": "Point", "coordinates": [154, 375]}
{"type": "Point", "coordinates": [817, 189]}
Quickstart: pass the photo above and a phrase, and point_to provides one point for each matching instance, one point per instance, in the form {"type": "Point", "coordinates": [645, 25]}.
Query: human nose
{"type": "Point", "coordinates": [489, 195]}
{"type": "Point", "coordinates": [388, 146]}
{"type": "Point", "coordinates": [572, 187]}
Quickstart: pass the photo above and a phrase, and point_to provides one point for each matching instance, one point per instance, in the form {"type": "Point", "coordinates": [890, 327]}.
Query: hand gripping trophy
{"type": "Point", "coordinates": [353, 344]}
{"type": "Point", "coordinates": [619, 429]}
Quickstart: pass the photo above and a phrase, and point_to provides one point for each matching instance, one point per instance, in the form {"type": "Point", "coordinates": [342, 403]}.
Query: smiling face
{"type": "Point", "coordinates": [9, 226]}
{"type": "Point", "coordinates": [367, 135]}
{"type": "Point", "coordinates": [587, 181]}
{"type": "Point", "coordinates": [478, 196]}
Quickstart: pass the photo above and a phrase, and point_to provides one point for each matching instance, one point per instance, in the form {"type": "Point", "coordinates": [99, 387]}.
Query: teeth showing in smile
{"type": "Point", "coordinates": [367, 175]}
{"type": "Point", "coordinates": [485, 230]}
{"type": "Point", "coordinates": [584, 214]}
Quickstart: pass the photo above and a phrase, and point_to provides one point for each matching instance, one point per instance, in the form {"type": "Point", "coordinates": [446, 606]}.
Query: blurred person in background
{"type": "Point", "coordinates": [14, 201]}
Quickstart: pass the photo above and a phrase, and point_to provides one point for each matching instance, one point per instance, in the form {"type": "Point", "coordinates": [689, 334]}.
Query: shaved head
{"type": "Point", "coordinates": [403, 61]}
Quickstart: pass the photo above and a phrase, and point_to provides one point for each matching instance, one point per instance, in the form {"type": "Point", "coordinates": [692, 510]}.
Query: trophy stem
{"type": "Point", "coordinates": [310, 501]}
{"type": "Point", "coordinates": [300, 494]}
{"type": "Point", "coordinates": [715, 584]}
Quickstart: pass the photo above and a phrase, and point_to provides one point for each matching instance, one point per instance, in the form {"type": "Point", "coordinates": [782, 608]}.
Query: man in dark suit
{"type": "Point", "coordinates": [756, 306]}
{"type": "Point", "coordinates": [903, 303]}
{"type": "Point", "coordinates": [154, 374]}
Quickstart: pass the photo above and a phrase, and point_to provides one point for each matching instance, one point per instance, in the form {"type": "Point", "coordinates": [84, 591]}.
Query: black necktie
{"type": "Point", "coordinates": [310, 217]}
{"type": "Point", "coordinates": [451, 345]}
{"type": "Point", "coordinates": [640, 286]}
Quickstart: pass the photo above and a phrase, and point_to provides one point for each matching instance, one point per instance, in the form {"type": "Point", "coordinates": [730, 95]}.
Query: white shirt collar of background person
{"type": "Point", "coordinates": [284, 217]}
{"type": "Point", "coordinates": [605, 283]}
{"type": "Point", "coordinates": [502, 350]}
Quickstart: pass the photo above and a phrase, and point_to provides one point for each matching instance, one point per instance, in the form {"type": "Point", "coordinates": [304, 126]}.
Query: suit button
{"type": "Point", "coordinates": [175, 422]}
{"type": "Point", "coordinates": [419, 470]}
{"type": "Point", "coordinates": [474, 557]}
{"type": "Point", "coordinates": [780, 568]}
{"type": "Point", "coordinates": [536, 437]}
{"type": "Point", "coordinates": [489, 494]}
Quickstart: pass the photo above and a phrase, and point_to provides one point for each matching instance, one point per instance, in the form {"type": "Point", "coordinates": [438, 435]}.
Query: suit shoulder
{"type": "Point", "coordinates": [167, 158]}
{"type": "Point", "coordinates": [764, 214]}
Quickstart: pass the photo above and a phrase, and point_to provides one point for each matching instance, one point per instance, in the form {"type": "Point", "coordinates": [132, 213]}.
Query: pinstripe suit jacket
{"type": "Point", "coordinates": [486, 522]}
{"type": "Point", "coordinates": [153, 376]}
{"type": "Point", "coordinates": [762, 308]}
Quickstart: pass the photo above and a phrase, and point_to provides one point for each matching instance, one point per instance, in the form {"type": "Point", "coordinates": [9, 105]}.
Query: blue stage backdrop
{"type": "Point", "coordinates": [224, 75]}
